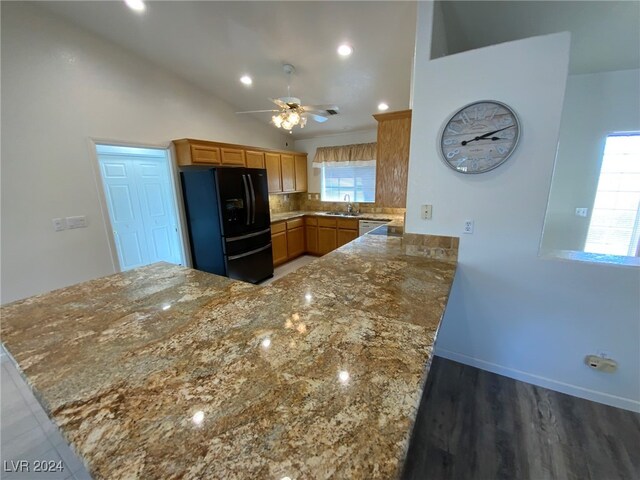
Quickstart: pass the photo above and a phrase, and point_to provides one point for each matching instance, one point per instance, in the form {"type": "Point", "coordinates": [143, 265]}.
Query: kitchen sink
{"type": "Point", "coordinates": [342, 214]}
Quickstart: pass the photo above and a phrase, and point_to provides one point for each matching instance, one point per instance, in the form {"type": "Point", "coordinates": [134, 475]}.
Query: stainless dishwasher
{"type": "Point", "coordinates": [368, 225]}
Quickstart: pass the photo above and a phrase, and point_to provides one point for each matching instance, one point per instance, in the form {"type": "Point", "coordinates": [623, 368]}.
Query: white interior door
{"type": "Point", "coordinates": [140, 198]}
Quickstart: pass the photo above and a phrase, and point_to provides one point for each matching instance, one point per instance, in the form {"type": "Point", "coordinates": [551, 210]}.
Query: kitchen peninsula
{"type": "Point", "coordinates": [167, 372]}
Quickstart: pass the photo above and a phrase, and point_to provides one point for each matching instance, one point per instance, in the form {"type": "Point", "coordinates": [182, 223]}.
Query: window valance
{"type": "Point", "coordinates": [359, 154]}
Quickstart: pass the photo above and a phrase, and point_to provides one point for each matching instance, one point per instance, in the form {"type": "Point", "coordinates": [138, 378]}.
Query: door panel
{"type": "Point", "coordinates": [139, 195]}
{"type": "Point", "coordinates": [254, 159]}
{"type": "Point", "coordinates": [258, 181]}
{"type": "Point", "coordinates": [253, 266]}
{"type": "Point", "coordinates": [272, 164]}
{"type": "Point", "coordinates": [301, 173]}
{"type": "Point", "coordinates": [235, 201]}
{"type": "Point", "coordinates": [288, 173]}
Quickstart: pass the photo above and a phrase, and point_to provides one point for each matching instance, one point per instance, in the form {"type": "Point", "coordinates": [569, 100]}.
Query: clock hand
{"type": "Point", "coordinates": [481, 137]}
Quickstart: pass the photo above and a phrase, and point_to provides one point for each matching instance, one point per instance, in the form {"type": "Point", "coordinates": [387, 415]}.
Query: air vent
{"type": "Point", "coordinates": [332, 112]}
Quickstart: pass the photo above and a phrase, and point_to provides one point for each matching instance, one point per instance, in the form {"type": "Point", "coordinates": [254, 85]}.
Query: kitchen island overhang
{"type": "Point", "coordinates": [167, 372]}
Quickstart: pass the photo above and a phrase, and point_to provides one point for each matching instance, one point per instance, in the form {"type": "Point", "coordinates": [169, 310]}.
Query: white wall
{"type": "Point", "coordinates": [310, 145]}
{"type": "Point", "coordinates": [595, 105]}
{"type": "Point", "coordinates": [510, 311]}
{"type": "Point", "coordinates": [60, 87]}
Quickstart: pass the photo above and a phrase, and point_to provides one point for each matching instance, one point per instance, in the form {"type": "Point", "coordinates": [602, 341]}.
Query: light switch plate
{"type": "Point", "coordinates": [59, 224]}
{"type": "Point", "coordinates": [77, 222]}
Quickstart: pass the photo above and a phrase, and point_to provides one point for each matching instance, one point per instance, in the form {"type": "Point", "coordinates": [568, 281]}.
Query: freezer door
{"type": "Point", "coordinates": [252, 266]}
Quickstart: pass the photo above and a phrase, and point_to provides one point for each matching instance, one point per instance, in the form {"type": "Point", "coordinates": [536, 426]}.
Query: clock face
{"type": "Point", "coordinates": [479, 137]}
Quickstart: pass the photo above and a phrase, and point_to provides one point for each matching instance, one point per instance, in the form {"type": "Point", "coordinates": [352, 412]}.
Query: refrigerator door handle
{"type": "Point", "coordinates": [246, 197]}
{"type": "Point", "coordinates": [235, 257]}
{"type": "Point", "coordinates": [253, 200]}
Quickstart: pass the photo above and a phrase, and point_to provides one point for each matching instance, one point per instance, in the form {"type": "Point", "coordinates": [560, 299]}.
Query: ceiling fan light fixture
{"type": "Point", "coordinates": [345, 50]}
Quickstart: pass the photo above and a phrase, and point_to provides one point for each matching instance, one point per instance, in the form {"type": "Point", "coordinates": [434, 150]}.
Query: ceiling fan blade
{"type": "Point", "coordinates": [320, 108]}
{"type": "Point", "coordinates": [319, 113]}
{"type": "Point", "coordinates": [259, 111]}
{"type": "Point", "coordinates": [317, 118]}
{"type": "Point", "coordinates": [279, 102]}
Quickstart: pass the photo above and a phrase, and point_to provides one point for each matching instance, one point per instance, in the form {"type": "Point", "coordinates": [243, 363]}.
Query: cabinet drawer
{"type": "Point", "coordinates": [311, 220]}
{"type": "Point", "coordinates": [295, 223]}
{"type": "Point", "coordinates": [278, 227]}
{"type": "Point", "coordinates": [205, 154]}
{"type": "Point", "coordinates": [327, 222]}
{"type": "Point", "coordinates": [348, 223]}
{"type": "Point", "coordinates": [232, 156]}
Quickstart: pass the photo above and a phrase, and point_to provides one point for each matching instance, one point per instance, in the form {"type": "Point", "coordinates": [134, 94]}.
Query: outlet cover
{"type": "Point", "coordinates": [77, 222]}
{"type": "Point", "coordinates": [426, 212]}
{"type": "Point", "coordinates": [581, 212]}
{"type": "Point", "coordinates": [59, 224]}
{"type": "Point", "coordinates": [468, 227]}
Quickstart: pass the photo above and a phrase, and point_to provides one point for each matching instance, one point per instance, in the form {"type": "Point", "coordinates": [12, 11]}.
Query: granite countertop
{"type": "Point", "coordinates": [167, 372]}
{"type": "Point", "coordinates": [395, 220]}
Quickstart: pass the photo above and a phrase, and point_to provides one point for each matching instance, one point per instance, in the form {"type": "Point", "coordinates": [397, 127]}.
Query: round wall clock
{"type": "Point", "coordinates": [479, 137]}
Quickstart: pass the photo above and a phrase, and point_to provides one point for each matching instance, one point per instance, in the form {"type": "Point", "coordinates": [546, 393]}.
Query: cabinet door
{"type": "Point", "coordinates": [205, 154]}
{"type": "Point", "coordinates": [272, 164]}
{"type": "Point", "coordinates": [232, 156]}
{"type": "Point", "coordinates": [311, 234]}
{"type": "Point", "coordinates": [301, 173]}
{"type": "Point", "coordinates": [327, 240]}
{"type": "Point", "coordinates": [295, 242]}
{"type": "Point", "coordinates": [254, 159]}
{"type": "Point", "coordinates": [288, 173]}
{"type": "Point", "coordinates": [279, 247]}
{"type": "Point", "coordinates": [345, 236]}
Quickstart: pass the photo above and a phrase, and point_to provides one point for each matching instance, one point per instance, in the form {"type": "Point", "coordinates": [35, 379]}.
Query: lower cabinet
{"type": "Point", "coordinates": [313, 235]}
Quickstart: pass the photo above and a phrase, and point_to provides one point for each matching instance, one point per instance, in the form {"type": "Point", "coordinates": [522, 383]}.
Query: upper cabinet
{"type": "Point", "coordinates": [392, 164]}
{"type": "Point", "coordinates": [286, 171]}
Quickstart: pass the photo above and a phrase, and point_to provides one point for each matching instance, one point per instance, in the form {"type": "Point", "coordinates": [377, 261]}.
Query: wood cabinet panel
{"type": "Point", "coordinates": [345, 236]}
{"type": "Point", "coordinates": [279, 247]}
{"type": "Point", "coordinates": [295, 223]}
{"type": "Point", "coordinates": [392, 164]}
{"type": "Point", "coordinates": [232, 156]}
{"type": "Point", "coordinates": [327, 222]}
{"type": "Point", "coordinates": [278, 227]}
{"type": "Point", "coordinates": [311, 237]}
{"type": "Point", "coordinates": [288, 173]}
{"type": "Point", "coordinates": [205, 154]}
{"type": "Point", "coordinates": [295, 242]}
{"type": "Point", "coordinates": [274, 177]}
{"type": "Point", "coordinates": [348, 223]}
{"type": "Point", "coordinates": [310, 220]}
{"type": "Point", "coordinates": [327, 240]}
{"type": "Point", "coordinates": [300, 162]}
{"type": "Point", "coordinates": [254, 159]}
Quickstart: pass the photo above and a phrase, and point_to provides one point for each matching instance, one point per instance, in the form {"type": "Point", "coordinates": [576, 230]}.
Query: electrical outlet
{"type": "Point", "coordinates": [581, 212]}
{"type": "Point", "coordinates": [426, 212]}
{"type": "Point", "coordinates": [59, 224]}
{"type": "Point", "coordinates": [468, 226]}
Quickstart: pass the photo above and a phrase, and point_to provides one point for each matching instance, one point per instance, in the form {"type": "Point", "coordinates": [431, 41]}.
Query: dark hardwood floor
{"type": "Point", "coordinates": [473, 424]}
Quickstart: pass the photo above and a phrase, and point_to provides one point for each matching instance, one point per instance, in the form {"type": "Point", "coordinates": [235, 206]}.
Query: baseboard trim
{"type": "Point", "coordinates": [569, 389]}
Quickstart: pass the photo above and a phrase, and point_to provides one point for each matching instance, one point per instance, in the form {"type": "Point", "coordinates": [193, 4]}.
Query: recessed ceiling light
{"type": "Point", "coordinates": [383, 106]}
{"type": "Point", "coordinates": [345, 50]}
{"type": "Point", "coordinates": [137, 5]}
{"type": "Point", "coordinates": [246, 79]}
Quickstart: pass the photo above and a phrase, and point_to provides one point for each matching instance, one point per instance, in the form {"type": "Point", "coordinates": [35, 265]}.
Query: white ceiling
{"type": "Point", "coordinates": [605, 35]}
{"type": "Point", "coordinates": [212, 44]}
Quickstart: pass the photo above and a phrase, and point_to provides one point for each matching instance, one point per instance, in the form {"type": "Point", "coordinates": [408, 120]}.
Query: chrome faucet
{"type": "Point", "coordinates": [347, 198]}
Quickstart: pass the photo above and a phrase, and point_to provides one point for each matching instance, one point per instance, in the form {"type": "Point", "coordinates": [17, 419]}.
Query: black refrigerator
{"type": "Point", "coordinates": [227, 212]}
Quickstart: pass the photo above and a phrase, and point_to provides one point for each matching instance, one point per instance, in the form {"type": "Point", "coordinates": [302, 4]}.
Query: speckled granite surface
{"type": "Point", "coordinates": [395, 220]}
{"type": "Point", "coordinates": [166, 372]}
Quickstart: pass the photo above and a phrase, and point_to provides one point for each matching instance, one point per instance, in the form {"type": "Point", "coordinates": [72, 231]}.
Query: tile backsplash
{"type": "Point", "coordinates": [290, 202]}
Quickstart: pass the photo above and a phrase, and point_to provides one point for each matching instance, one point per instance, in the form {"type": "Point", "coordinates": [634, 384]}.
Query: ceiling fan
{"type": "Point", "coordinates": [291, 112]}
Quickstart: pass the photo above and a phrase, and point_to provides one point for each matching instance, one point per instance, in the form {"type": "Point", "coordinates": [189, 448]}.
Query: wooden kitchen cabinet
{"type": "Point", "coordinates": [193, 153]}
{"type": "Point", "coordinates": [272, 164]}
{"type": "Point", "coordinates": [295, 242]}
{"type": "Point", "coordinates": [300, 164]}
{"type": "Point", "coordinates": [279, 242]}
{"type": "Point", "coordinates": [254, 159]}
{"type": "Point", "coordinates": [327, 240]}
{"type": "Point", "coordinates": [287, 166]}
{"type": "Point", "coordinates": [232, 157]}
{"type": "Point", "coordinates": [392, 164]}
{"type": "Point", "coordinates": [347, 230]}
{"type": "Point", "coordinates": [311, 235]}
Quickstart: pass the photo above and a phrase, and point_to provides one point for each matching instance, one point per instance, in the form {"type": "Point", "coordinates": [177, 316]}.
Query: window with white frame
{"type": "Point", "coordinates": [357, 181]}
{"type": "Point", "coordinates": [614, 228]}
{"type": "Point", "coordinates": [348, 173]}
